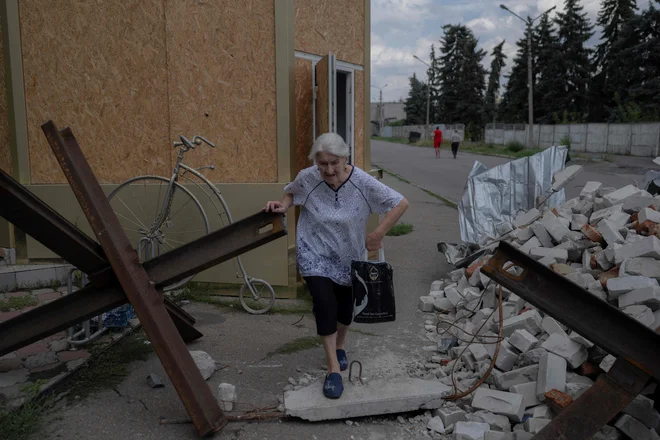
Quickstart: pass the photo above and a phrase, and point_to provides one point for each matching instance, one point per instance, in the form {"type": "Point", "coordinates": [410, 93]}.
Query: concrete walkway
{"type": "Point", "coordinates": [241, 344]}
{"type": "Point", "coordinates": [447, 176]}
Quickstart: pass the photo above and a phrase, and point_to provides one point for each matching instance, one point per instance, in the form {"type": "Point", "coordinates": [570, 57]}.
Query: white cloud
{"type": "Point", "coordinates": [481, 24]}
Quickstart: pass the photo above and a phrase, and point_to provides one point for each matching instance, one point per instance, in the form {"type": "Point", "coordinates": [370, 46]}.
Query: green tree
{"type": "Point", "coordinates": [613, 15]}
{"type": "Point", "coordinates": [415, 105]}
{"type": "Point", "coordinates": [547, 71]}
{"type": "Point", "coordinates": [514, 105]}
{"type": "Point", "coordinates": [574, 29]}
{"type": "Point", "coordinates": [462, 78]}
{"type": "Point", "coordinates": [434, 80]}
{"type": "Point", "coordinates": [493, 91]}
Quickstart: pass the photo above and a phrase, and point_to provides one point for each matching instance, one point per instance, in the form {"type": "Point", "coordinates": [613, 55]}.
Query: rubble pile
{"type": "Point", "coordinates": [607, 241]}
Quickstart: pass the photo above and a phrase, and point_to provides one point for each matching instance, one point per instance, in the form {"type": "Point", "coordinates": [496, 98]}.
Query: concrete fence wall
{"type": "Point", "coordinates": [426, 131]}
{"type": "Point", "coordinates": [626, 139]}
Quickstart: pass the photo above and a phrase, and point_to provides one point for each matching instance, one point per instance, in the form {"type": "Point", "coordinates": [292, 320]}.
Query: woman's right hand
{"type": "Point", "coordinates": [275, 206]}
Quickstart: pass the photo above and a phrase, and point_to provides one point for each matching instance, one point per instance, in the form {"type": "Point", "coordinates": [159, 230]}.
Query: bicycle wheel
{"type": "Point", "coordinates": [262, 299]}
{"type": "Point", "coordinates": [138, 203]}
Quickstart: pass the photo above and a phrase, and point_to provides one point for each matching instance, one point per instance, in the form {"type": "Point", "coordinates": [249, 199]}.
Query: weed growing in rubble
{"type": "Point", "coordinates": [400, 229]}
{"type": "Point", "coordinates": [20, 423]}
{"type": "Point", "coordinates": [17, 303]}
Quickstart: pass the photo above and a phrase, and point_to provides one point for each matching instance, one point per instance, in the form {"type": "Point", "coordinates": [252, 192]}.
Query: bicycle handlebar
{"type": "Point", "coordinates": [197, 140]}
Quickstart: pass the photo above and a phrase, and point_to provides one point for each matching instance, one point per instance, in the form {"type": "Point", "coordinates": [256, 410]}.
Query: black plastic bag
{"type": "Point", "coordinates": [373, 292]}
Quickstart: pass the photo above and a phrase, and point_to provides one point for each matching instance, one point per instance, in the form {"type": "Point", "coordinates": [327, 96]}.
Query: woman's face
{"type": "Point", "coordinates": [332, 168]}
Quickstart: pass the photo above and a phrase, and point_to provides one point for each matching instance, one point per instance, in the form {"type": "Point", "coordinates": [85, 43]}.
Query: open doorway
{"type": "Point", "coordinates": [345, 109]}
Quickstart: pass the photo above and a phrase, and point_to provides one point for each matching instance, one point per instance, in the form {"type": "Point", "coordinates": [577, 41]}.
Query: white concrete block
{"type": "Point", "coordinates": [642, 266]}
{"type": "Point", "coordinates": [610, 232]}
{"type": "Point", "coordinates": [435, 294]}
{"type": "Point", "coordinates": [574, 353]}
{"type": "Point", "coordinates": [600, 214]}
{"type": "Point", "coordinates": [542, 412]}
{"type": "Point", "coordinates": [589, 190]}
{"type": "Point", "coordinates": [456, 275]}
{"type": "Point", "coordinates": [555, 227]}
{"type": "Point", "coordinates": [479, 352]}
{"type": "Point", "coordinates": [580, 340]}
{"type": "Point", "coordinates": [470, 430]}
{"type": "Point", "coordinates": [602, 260]}
{"type": "Point", "coordinates": [534, 425]}
{"type": "Point", "coordinates": [561, 255]}
{"type": "Point", "coordinates": [522, 340]}
{"type": "Point", "coordinates": [506, 357]}
{"type": "Point", "coordinates": [610, 252]}
{"type": "Point", "coordinates": [426, 304]}
{"type": "Point", "coordinates": [644, 247]}
{"type": "Point", "coordinates": [635, 429]}
{"type": "Point", "coordinates": [548, 261]}
{"type": "Point", "coordinates": [607, 363]}
{"type": "Point", "coordinates": [585, 207]}
{"type": "Point", "coordinates": [496, 421]}
{"type": "Point", "coordinates": [529, 320]}
{"type": "Point", "coordinates": [526, 218]}
{"type": "Point", "coordinates": [618, 286]}
{"type": "Point", "coordinates": [438, 285]}
{"type": "Point", "coordinates": [529, 245]}
{"type": "Point", "coordinates": [551, 326]}
{"type": "Point", "coordinates": [619, 219]}
{"type": "Point", "coordinates": [475, 279]}
{"type": "Point", "coordinates": [523, 234]}
{"type": "Point", "coordinates": [497, 435]}
{"type": "Point", "coordinates": [636, 203]}
{"type": "Point", "coordinates": [542, 234]}
{"type": "Point", "coordinates": [226, 396]}
{"type": "Point", "coordinates": [499, 402]}
{"type": "Point", "coordinates": [443, 305]}
{"type": "Point", "coordinates": [449, 414]}
{"type": "Point", "coordinates": [577, 221]}
{"type": "Point", "coordinates": [528, 391]}
{"type": "Point", "coordinates": [436, 425]}
{"type": "Point", "coordinates": [504, 228]}
{"type": "Point", "coordinates": [596, 289]}
{"type": "Point", "coordinates": [453, 296]}
{"type": "Point", "coordinates": [641, 313]}
{"type": "Point", "coordinates": [552, 375]}
{"type": "Point", "coordinates": [620, 195]}
{"type": "Point", "coordinates": [561, 178]}
{"type": "Point", "coordinates": [566, 222]}
{"type": "Point", "coordinates": [518, 376]}
{"type": "Point", "coordinates": [647, 296]}
{"type": "Point", "coordinates": [641, 408]}
{"type": "Point", "coordinates": [524, 435]}
{"type": "Point", "coordinates": [648, 214]}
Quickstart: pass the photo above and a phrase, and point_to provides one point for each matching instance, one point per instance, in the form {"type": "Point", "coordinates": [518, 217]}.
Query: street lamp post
{"type": "Point", "coordinates": [428, 92]}
{"type": "Point", "coordinates": [381, 120]}
{"type": "Point", "coordinates": [530, 92]}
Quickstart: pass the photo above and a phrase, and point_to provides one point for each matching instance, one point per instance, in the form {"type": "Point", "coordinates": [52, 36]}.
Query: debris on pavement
{"type": "Point", "coordinates": [226, 396]}
{"type": "Point", "coordinates": [511, 364]}
{"type": "Point", "coordinates": [204, 362]}
{"type": "Point", "coordinates": [155, 381]}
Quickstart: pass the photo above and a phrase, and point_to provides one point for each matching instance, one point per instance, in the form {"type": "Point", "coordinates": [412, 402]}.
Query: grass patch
{"type": "Point", "coordinates": [400, 229]}
{"type": "Point", "coordinates": [17, 303]}
{"type": "Point", "coordinates": [475, 148]}
{"type": "Point", "coordinates": [515, 146]}
{"type": "Point", "coordinates": [297, 345]}
{"type": "Point", "coordinates": [21, 423]}
{"type": "Point", "coordinates": [109, 368]}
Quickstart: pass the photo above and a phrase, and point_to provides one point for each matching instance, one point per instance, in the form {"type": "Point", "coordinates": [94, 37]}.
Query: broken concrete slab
{"type": "Point", "coordinates": [496, 421]}
{"type": "Point", "coordinates": [390, 396]}
{"type": "Point", "coordinates": [519, 376]}
{"type": "Point", "coordinates": [578, 221]}
{"type": "Point", "coordinates": [636, 203]}
{"type": "Point", "coordinates": [634, 429]}
{"type": "Point", "coordinates": [648, 214]}
{"type": "Point", "coordinates": [499, 402]}
{"type": "Point", "coordinates": [529, 320]}
{"type": "Point", "coordinates": [580, 340]}
{"type": "Point", "coordinates": [641, 408]}
{"type": "Point", "coordinates": [436, 425]}
{"type": "Point", "coordinates": [620, 195]}
{"type": "Point", "coordinates": [426, 303]}
{"type": "Point", "coordinates": [647, 296]}
{"type": "Point", "coordinates": [561, 255]}
{"type": "Point", "coordinates": [620, 285]}
{"type": "Point", "coordinates": [531, 357]}
{"type": "Point", "coordinates": [449, 414]}
{"type": "Point", "coordinates": [610, 232]}
{"type": "Point", "coordinates": [523, 340]}
{"type": "Point", "coordinates": [542, 234]}
{"type": "Point", "coordinates": [470, 430]}
{"type": "Point", "coordinates": [534, 425]}
{"type": "Point", "coordinates": [554, 226]}
{"type": "Point", "coordinates": [497, 435]}
{"type": "Point", "coordinates": [574, 353]}
{"type": "Point", "coordinates": [551, 326]}
{"type": "Point", "coordinates": [526, 218]}
{"type": "Point", "coordinates": [530, 244]}
{"type": "Point", "coordinates": [204, 362]}
{"type": "Point", "coordinates": [506, 357]}
{"type": "Point", "coordinates": [641, 313]}
{"type": "Point", "coordinates": [561, 178]}
{"type": "Point", "coordinates": [528, 391]}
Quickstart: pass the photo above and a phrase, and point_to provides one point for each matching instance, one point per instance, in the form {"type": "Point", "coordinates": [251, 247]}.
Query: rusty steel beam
{"type": "Point", "coordinates": [186, 378]}
{"type": "Point", "coordinates": [589, 316]}
{"type": "Point", "coordinates": [598, 405]}
{"type": "Point", "coordinates": [220, 246]}
{"type": "Point", "coordinates": [21, 207]}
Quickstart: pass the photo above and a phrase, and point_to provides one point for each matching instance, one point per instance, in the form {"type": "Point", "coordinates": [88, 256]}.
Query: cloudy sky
{"type": "Point", "coordinates": [403, 28]}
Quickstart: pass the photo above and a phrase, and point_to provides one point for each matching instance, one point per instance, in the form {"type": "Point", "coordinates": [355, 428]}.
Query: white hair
{"type": "Point", "coordinates": [330, 143]}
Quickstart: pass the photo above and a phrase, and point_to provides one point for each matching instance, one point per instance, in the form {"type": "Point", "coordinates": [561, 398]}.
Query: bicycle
{"type": "Point", "coordinates": [156, 231]}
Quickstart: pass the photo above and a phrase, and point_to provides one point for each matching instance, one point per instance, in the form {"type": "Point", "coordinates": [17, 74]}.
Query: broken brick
{"type": "Point", "coordinates": [592, 234]}
{"type": "Point", "coordinates": [588, 369]}
{"type": "Point", "coordinates": [612, 273]}
{"type": "Point", "coordinates": [557, 400]}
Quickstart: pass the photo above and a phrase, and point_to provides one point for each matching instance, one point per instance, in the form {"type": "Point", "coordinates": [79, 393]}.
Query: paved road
{"type": "Point", "coordinates": [447, 176]}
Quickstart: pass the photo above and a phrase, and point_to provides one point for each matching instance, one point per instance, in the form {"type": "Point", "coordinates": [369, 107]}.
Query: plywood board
{"type": "Point", "coordinates": [222, 85]}
{"type": "Point", "coordinates": [331, 25]}
{"type": "Point", "coordinates": [100, 68]}
{"type": "Point", "coordinates": [359, 119]}
{"type": "Point", "coordinates": [5, 151]}
{"type": "Point", "coordinates": [322, 96]}
{"type": "Point", "coordinates": [304, 113]}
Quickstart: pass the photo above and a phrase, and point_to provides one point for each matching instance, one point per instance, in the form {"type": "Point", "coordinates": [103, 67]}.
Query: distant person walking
{"type": "Point", "coordinates": [437, 141]}
{"type": "Point", "coordinates": [455, 141]}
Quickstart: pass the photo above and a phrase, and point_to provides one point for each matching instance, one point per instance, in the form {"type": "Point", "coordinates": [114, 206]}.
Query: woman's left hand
{"type": "Point", "coordinates": [374, 241]}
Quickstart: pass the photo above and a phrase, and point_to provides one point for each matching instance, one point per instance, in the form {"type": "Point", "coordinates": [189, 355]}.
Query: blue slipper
{"type": "Point", "coordinates": [333, 386]}
{"type": "Point", "coordinates": [342, 359]}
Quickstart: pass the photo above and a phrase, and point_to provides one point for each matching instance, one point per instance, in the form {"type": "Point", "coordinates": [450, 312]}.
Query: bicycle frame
{"type": "Point", "coordinates": [169, 195]}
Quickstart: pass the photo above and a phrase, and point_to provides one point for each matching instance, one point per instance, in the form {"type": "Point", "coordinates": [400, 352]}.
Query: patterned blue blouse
{"type": "Point", "coordinates": [332, 225]}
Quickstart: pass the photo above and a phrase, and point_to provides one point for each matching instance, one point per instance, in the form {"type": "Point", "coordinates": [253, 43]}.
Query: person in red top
{"type": "Point", "coordinates": [437, 141]}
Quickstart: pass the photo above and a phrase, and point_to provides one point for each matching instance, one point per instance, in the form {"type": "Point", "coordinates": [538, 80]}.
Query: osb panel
{"type": "Point", "coordinates": [359, 119]}
{"type": "Point", "coordinates": [304, 113]}
{"type": "Point", "coordinates": [100, 68]}
{"type": "Point", "coordinates": [338, 26]}
{"type": "Point", "coordinates": [222, 85]}
{"type": "Point", "coordinates": [5, 152]}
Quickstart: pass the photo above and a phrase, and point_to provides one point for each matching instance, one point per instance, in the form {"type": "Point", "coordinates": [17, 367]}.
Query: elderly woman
{"type": "Point", "coordinates": [337, 200]}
